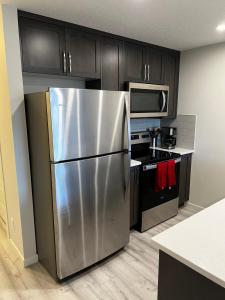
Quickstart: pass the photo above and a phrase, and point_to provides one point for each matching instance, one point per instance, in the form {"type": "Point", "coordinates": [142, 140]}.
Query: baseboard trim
{"type": "Point", "coordinates": [30, 260]}
{"type": "Point", "coordinates": [190, 203]}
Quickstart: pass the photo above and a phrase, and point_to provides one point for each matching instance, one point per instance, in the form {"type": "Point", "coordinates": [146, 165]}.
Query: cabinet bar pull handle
{"type": "Point", "coordinates": [70, 62]}
{"type": "Point", "coordinates": [145, 72]}
{"type": "Point", "coordinates": [64, 61]}
{"type": "Point", "coordinates": [148, 72]}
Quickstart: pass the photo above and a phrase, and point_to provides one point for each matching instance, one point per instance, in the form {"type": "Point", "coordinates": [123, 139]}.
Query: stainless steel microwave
{"type": "Point", "coordinates": [148, 100]}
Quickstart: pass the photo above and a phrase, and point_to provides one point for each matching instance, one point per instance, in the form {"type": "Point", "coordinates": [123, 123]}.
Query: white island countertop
{"type": "Point", "coordinates": [199, 242]}
{"type": "Point", "coordinates": [178, 150]}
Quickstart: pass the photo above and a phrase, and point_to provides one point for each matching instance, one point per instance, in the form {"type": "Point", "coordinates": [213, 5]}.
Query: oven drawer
{"type": "Point", "coordinates": [158, 214]}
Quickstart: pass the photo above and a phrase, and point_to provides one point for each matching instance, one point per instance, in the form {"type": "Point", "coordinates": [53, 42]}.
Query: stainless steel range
{"type": "Point", "coordinates": [154, 206]}
{"type": "Point", "coordinates": [79, 152]}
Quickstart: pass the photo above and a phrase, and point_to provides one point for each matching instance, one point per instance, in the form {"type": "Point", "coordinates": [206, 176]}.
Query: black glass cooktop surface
{"type": "Point", "coordinates": [152, 156]}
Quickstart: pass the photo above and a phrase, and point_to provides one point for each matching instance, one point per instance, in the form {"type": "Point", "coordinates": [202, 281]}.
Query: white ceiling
{"type": "Point", "coordinates": [178, 24]}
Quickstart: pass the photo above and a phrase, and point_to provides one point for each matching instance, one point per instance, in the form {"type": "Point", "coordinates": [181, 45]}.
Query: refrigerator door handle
{"type": "Point", "coordinates": [127, 146]}
{"type": "Point", "coordinates": [127, 124]}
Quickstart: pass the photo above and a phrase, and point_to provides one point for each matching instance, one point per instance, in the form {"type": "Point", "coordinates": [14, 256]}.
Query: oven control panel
{"type": "Point", "coordinates": [140, 137]}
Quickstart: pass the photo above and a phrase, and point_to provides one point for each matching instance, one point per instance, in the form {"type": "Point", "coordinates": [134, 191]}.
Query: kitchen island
{"type": "Point", "coordinates": [192, 257]}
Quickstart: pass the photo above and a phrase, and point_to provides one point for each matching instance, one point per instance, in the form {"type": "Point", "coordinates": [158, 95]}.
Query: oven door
{"type": "Point", "coordinates": [156, 207]}
{"type": "Point", "coordinates": [148, 100]}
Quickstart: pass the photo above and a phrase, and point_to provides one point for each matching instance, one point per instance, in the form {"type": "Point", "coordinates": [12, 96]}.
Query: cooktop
{"type": "Point", "coordinates": [152, 156]}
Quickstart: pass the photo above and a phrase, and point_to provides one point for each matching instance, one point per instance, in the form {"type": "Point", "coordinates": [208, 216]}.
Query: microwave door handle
{"type": "Point", "coordinates": [164, 101]}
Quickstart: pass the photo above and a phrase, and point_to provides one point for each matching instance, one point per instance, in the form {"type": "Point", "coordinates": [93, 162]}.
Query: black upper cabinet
{"type": "Point", "coordinates": [111, 64]}
{"type": "Point", "coordinates": [143, 64]}
{"type": "Point", "coordinates": [112, 57]}
{"type": "Point", "coordinates": [51, 49]}
{"type": "Point", "coordinates": [171, 78]}
{"type": "Point", "coordinates": [134, 62]}
{"type": "Point", "coordinates": [43, 47]}
{"type": "Point", "coordinates": [153, 65]}
{"type": "Point", "coordinates": [106, 61]}
{"type": "Point", "coordinates": [83, 54]}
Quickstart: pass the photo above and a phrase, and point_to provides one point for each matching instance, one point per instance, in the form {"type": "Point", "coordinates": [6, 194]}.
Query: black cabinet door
{"type": "Point", "coordinates": [154, 65]}
{"type": "Point", "coordinates": [134, 196]}
{"type": "Point", "coordinates": [185, 176]}
{"type": "Point", "coordinates": [83, 54]}
{"type": "Point", "coordinates": [171, 78]}
{"type": "Point", "coordinates": [188, 179]}
{"type": "Point", "coordinates": [42, 47]}
{"type": "Point", "coordinates": [134, 62]}
{"type": "Point", "coordinates": [111, 64]}
{"type": "Point", "coordinates": [132, 192]}
{"type": "Point", "coordinates": [183, 180]}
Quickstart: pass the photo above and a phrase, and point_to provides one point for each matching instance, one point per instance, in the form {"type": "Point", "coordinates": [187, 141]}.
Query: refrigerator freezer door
{"type": "Point", "coordinates": [91, 210]}
{"type": "Point", "coordinates": [86, 123]}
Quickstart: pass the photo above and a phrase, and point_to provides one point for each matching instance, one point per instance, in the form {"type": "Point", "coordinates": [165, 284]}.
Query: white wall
{"type": "Point", "coordinates": [202, 92]}
{"type": "Point", "coordinates": [7, 150]}
{"type": "Point", "coordinates": [16, 94]}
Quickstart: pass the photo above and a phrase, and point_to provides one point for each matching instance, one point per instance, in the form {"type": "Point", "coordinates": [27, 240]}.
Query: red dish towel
{"type": "Point", "coordinates": [161, 176]}
{"type": "Point", "coordinates": [171, 173]}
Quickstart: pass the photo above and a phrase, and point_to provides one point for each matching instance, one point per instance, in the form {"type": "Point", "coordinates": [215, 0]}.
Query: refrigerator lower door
{"type": "Point", "coordinates": [91, 210]}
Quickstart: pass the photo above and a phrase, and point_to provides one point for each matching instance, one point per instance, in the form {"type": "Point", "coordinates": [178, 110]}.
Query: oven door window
{"type": "Point", "coordinates": [149, 197]}
{"type": "Point", "coordinates": [148, 101]}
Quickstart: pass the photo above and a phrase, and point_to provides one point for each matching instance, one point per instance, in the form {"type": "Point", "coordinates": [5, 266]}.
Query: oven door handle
{"type": "Point", "coordinates": [164, 101]}
{"type": "Point", "coordinates": [154, 166]}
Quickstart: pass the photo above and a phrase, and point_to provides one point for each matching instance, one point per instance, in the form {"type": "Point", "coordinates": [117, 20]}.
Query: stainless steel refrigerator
{"type": "Point", "coordinates": [79, 154]}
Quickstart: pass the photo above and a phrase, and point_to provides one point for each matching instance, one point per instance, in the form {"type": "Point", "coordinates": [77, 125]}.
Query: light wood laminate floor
{"type": "Point", "coordinates": [130, 274]}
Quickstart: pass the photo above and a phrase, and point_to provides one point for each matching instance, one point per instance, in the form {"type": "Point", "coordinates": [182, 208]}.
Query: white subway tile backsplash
{"type": "Point", "coordinates": [186, 125]}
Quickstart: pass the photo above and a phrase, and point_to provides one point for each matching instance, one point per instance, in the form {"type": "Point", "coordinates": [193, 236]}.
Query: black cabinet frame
{"type": "Point", "coordinates": [185, 178]}
{"type": "Point", "coordinates": [134, 195]}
